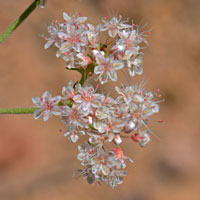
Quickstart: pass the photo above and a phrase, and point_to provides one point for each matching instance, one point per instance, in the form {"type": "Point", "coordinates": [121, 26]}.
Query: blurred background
{"type": "Point", "coordinates": [37, 162]}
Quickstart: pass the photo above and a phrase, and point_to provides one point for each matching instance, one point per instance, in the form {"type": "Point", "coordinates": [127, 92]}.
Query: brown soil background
{"type": "Point", "coordinates": [37, 163]}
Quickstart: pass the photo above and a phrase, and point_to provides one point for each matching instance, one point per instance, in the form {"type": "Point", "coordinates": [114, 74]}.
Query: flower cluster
{"type": "Point", "coordinates": [80, 45]}
{"type": "Point", "coordinates": [103, 119]}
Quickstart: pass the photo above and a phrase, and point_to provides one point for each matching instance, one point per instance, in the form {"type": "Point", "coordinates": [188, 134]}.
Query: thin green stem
{"type": "Point", "coordinates": [17, 110]}
{"type": "Point", "coordinates": [21, 18]}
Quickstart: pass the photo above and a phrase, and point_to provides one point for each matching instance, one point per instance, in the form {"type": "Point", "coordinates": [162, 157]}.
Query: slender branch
{"type": "Point", "coordinates": [17, 110]}
{"type": "Point", "coordinates": [21, 18]}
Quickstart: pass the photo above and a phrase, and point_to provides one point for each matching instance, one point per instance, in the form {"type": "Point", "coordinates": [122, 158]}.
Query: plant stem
{"type": "Point", "coordinates": [21, 18]}
{"type": "Point", "coordinates": [17, 110]}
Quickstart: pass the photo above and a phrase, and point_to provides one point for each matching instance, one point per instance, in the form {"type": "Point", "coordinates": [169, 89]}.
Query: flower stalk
{"type": "Point", "coordinates": [17, 22]}
{"type": "Point", "coordinates": [17, 110]}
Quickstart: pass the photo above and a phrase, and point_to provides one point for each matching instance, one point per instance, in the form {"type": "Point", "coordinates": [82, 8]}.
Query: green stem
{"type": "Point", "coordinates": [22, 17]}
{"type": "Point", "coordinates": [17, 110]}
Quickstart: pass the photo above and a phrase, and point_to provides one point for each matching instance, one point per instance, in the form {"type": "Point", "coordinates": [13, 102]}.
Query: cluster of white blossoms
{"type": "Point", "coordinates": [80, 45]}
{"type": "Point", "coordinates": [103, 119]}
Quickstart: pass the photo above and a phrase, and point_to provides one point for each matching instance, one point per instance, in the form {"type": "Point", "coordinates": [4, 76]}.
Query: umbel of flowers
{"type": "Point", "coordinates": [105, 120]}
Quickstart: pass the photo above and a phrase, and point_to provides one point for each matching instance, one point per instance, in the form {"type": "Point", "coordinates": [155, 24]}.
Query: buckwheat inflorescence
{"type": "Point", "coordinates": [103, 119]}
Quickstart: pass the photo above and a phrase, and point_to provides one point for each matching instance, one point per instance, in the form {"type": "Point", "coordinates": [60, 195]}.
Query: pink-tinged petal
{"type": "Point", "coordinates": [74, 137]}
{"type": "Point", "coordinates": [123, 34]}
{"type": "Point", "coordinates": [67, 17]}
{"type": "Point", "coordinates": [46, 114]}
{"type": "Point", "coordinates": [48, 44]}
{"type": "Point", "coordinates": [46, 95]}
{"type": "Point", "coordinates": [56, 110]}
{"type": "Point", "coordinates": [38, 113]}
{"type": "Point", "coordinates": [84, 41]}
{"type": "Point", "coordinates": [114, 21]}
{"type": "Point", "coordinates": [117, 65]}
{"type": "Point", "coordinates": [70, 29]}
{"type": "Point", "coordinates": [124, 26]}
{"type": "Point", "coordinates": [99, 69]}
{"type": "Point", "coordinates": [86, 106]}
{"type": "Point", "coordinates": [133, 35]}
{"type": "Point", "coordinates": [113, 75]}
{"type": "Point", "coordinates": [64, 46]}
{"type": "Point", "coordinates": [95, 104]}
{"type": "Point", "coordinates": [81, 19]}
{"type": "Point", "coordinates": [78, 98]}
{"type": "Point", "coordinates": [62, 35]}
{"type": "Point", "coordinates": [36, 101]}
{"type": "Point", "coordinates": [100, 59]}
{"type": "Point", "coordinates": [56, 100]}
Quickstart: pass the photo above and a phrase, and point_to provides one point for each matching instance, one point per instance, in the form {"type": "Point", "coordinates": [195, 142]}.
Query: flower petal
{"type": "Point", "coordinates": [38, 113]}
{"type": "Point", "coordinates": [46, 95]}
{"type": "Point", "coordinates": [74, 137]}
{"type": "Point", "coordinates": [67, 17]}
{"type": "Point", "coordinates": [36, 101]}
{"type": "Point", "coordinates": [48, 44]}
{"type": "Point", "coordinates": [117, 65]}
{"type": "Point", "coordinates": [99, 69]}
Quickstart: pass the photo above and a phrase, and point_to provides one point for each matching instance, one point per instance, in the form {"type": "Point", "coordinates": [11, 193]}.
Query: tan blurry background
{"type": "Point", "coordinates": [37, 162]}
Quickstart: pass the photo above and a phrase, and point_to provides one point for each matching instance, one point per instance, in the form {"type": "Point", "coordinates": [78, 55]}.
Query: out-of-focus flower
{"type": "Point", "coordinates": [134, 65]}
{"type": "Point", "coordinates": [114, 25]}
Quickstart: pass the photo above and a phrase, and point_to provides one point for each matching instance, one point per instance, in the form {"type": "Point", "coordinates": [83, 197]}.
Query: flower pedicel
{"type": "Point", "coordinates": [85, 111]}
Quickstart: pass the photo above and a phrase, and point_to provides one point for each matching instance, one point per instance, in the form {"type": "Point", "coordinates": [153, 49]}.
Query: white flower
{"type": "Point", "coordinates": [68, 91]}
{"type": "Point", "coordinates": [93, 35]}
{"type": "Point", "coordinates": [126, 93]}
{"type": "Point", "coordinates": [53, 31]}
{"type": "Point", "coordinates": [87, 98]}
{"type": "Point", "coordinates": [107, 68]}
{"type": "Point", "coordinates": [46, 106]}
{"type": "Point", "coordinates": [72, 39]}
{"type": "Point", "coordinates": [74, 19]}
{"type": "Point", "coordinates": [74, 117]}
{"type": "Point", "coordinates": [134, 65]}
{"type": "Point", "coordinates": [114, 25]}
